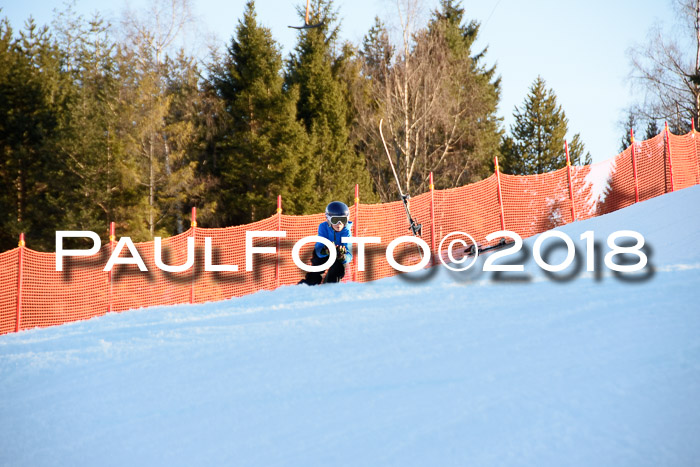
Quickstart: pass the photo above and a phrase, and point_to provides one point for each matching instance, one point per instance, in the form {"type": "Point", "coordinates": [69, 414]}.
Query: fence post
{"type": "Point", "coordinates": [571, 188]}
{"type": "Point", "coordinates": [500, 196]}
{"type": "Point", "coordinates": [668, 151]}
{"type": "Point", "coordinates": [193, 224]}
{"type": "Point", "coordinates": [112, 239]}
{"type": "Point", "coordinates": [20, 267]}
{"type": "Point", "coordinates": [354, 226]}
{"type": "Point", "coordinates": [279, 227]}
{"type": "Point", "coordinates": [697, 156]}
{"type": "Point", "coordinates": [634, 167]}
{"type": "Point", "coordinates": [432, 221]}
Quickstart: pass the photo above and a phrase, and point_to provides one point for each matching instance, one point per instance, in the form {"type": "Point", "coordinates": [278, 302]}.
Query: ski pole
{"type": "Point", "coordinates": [414, 227]}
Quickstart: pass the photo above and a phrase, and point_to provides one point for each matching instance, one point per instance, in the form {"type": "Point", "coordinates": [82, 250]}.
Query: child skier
{"type": "Point", "coordinates": [335, 227]}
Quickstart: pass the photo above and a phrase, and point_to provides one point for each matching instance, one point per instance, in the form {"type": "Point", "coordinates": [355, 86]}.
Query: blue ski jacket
{"type": "Point", "coordinates": [326, 231]}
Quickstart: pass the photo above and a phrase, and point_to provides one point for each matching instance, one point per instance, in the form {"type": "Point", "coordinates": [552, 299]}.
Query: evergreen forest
{"type": "Point", "coordinates": [99, 126]}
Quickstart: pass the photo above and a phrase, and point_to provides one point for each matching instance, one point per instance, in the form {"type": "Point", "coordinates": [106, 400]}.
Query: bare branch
{"type": "Point", "coordinates": [663, 68]}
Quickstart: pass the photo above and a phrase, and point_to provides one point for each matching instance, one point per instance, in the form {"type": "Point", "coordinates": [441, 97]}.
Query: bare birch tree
{"type": "Point", "coordinates": [667, 69]}
{"type": "Point", "coordinates": [432, 102]}
{"type": "Point", "coordinates": [151, 34]}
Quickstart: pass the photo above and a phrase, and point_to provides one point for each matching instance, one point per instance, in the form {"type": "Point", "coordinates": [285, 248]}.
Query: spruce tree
{"type": "Point", "coordinates": [651, 130]}
{"type": "Point", "coordinates": [33, 98]}
{"type": "Point", "coordinates": [629, 124]}
{"type": "Point", "coordinates": [89, 145]}
{"type": "Point", "coordinates": [536, 143]}
{"type": "Point", "coordinates": [437, 99]}
{"type": "Point", "coordinates": [475, 85]}
{"type": "Point", "coordinates": [377, 50]}
{"type": "Point", "coordinates": [144, 103]}
{"type": "Point", "coordinates": [160, 137]}
{"type": "Point", "coordinates": [635, 120]}
{"type": "Point", "coordinates": [323, 108]}
{"type": "Point", "coordinates": [263, 151]}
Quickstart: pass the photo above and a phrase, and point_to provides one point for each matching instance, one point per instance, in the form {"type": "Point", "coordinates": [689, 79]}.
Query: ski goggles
{"type": "Point", "coordinates": [335, 220]}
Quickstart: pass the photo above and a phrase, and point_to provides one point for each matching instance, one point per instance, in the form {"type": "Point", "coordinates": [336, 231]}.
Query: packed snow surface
{"type": "Point", "coordinates": [571, 368]}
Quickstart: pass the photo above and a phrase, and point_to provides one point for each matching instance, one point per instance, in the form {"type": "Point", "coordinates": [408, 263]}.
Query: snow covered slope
{"type": "Point", "coordinates": [574, 368]}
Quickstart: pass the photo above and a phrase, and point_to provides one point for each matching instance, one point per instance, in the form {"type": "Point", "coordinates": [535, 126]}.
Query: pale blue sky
{"type": "Point", "coordinates": [578, 47]}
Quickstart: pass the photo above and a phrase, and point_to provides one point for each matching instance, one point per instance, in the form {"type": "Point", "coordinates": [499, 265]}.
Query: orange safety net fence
{"type": "Point", "coordinates": [34, 294]}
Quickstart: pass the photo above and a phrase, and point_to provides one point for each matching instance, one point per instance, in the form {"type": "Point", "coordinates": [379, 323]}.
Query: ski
{"type": "Point", "coordinates": [306, 21]}
{"type": "Point", "coordinates": [502, 243]}
{"type": "Point", "coordinates": [413, 226]}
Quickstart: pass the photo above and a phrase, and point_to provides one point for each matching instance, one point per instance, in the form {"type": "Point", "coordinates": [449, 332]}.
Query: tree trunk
{"type": "Point", "coordinates": [697, 63]}
{"type": "Point", "coordinates": [20, 193]}
{"type": "Point", "coordinates": [151, 189]}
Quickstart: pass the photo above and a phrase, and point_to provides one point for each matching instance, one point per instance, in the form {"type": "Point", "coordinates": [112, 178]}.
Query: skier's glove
{"type": "Point", "coordinates": [341, 250]}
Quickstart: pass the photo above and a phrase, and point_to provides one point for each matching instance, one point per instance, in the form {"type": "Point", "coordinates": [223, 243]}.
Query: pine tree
{"type": "Point", "coordinates": [652, 129]}
{"type": "Point", "coordinates": [159, 137]}
{"type": "Point", "coordinates": [377, 50]}
{"type": "Point", "coordinates": [636, 120]}
{"type": "Point", "coordinates": [88, 144]}
{"type": "Point", "coordinates": [364, 85]}
{"type": "Point", "coordinates": [474, 85]}
{"type": "Point", "coordinates": [536, 144]}
{"type": "Point", "coordinates": [436, 98]}
{"type": "Point", "coordinates": [181, 139]}
{"type": "Point", "coordinates": [323, 109]}
{"type": "Point", "coordinates": [11, 76]}
{"type": "Point", "coordinates": [629, 124]}
{"type": "Point", "coordinates": [145, 103]}
{"type": "Point", "coordinates": [33, 97]}
{"type": "Point", "coordinates": [263, 149]}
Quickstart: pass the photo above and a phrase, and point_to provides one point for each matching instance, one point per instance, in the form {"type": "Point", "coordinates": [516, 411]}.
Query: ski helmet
{"type": "Point", "coordinates": [337, 212]}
